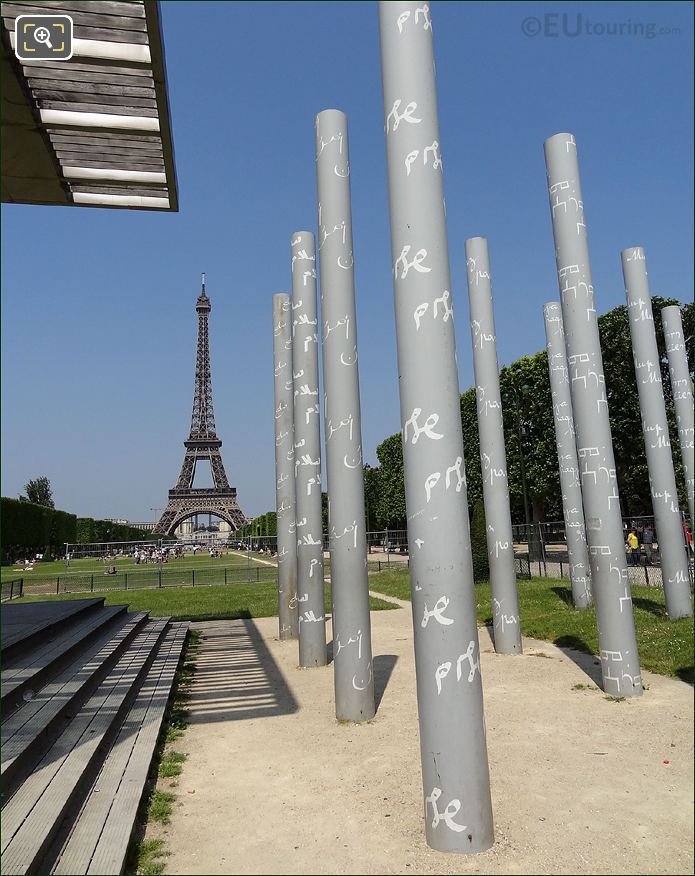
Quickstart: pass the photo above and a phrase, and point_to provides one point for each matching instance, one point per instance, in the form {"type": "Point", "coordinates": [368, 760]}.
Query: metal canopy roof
{"type": "Point", "coordinates": [94, 130]}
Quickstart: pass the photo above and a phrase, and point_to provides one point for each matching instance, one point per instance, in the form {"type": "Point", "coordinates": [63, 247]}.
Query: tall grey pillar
{"type": "Point", "coordinates": [682, 389]}
{"type": "Point", "coordinates": [662, 478]}
{"type": "Point", "coordinates": [604, 526]}
{"type": "Point", "coordinates": [307, 453]}
{"type": "Point", "coordinates": [493, 457]}
{"type": "Point", "coordinates": [352, 646]}
{"type": "Point", "coordinates": [572, 510]}
{"type": "Point", "coordinates": [284, 467]}
{"type": "Point", "coordinates": [458, 809]}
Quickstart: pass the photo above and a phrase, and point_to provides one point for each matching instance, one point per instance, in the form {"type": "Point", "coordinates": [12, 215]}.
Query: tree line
{"type": "Point", "coordinates": [263, 526]}
{"type": "Point", "coordinates": [29, 528]}
{"type": "Point", "coordinates": [529, 433]}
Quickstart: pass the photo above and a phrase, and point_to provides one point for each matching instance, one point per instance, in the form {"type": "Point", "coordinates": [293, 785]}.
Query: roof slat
{"type": "Point", "coordinates": [112, 162]}
{"type": "Point", "coordinates": [103, 7]}
{"type": "Point", "coordinates": [74, 65]}
{"type": "Point", "coordinates": [81, 32]}
{"type": "Point", "coordinates": [83, 16]}
{"type": "Point", "coordinates": [122, 138]}
{"type": "Point", "coordinates": [131, 200]}
{"type": "Point", "coordinates": [110, 100]}
{"type": "Point", "coordinates": [119, 109]}
{"type": "Point", "coordinates": [73, 75]}
{"type": "Point", "coordinates": [96, 88]}
{"type": "Point", "coordinates": [73, 151]}
{"type": "Point", "coordinates": [99, 188]}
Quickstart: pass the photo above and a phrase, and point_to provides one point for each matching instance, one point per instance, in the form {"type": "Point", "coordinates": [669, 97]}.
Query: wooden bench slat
{"type": "Point", "coordinates": [33, 815]}
{"type": "Point", "coordinates": [33, 665]}
{"type": "Point", "coordinates": [110, 853]}
{"type": "Point", "coordinates": [124, 770]}
{"type": "Point", "coordinates": [23, 623]}
{"type": "Point", "coordinates": [22, 731]}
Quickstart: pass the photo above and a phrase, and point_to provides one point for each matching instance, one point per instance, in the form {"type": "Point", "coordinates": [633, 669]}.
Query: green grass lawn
{"type": "Point", "coordinates": [203, 603]}
{"type": "Point", "coordinates": [46, 572]}
{"type": "Point", "coordinates": [665, 646]}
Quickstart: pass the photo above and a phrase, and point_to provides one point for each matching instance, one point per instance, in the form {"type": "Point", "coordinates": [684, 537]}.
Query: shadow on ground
{"type": "Point", "coordinates": [687, 674]}
{"type": "Point", "coordinates": [236, 676]}
{"type": "Point", "coordinates": [656, 608]}
{"type": "Point", "coordinates": [565, 594]}
{"type": "Point", "coordinates": [579, 653]}
{"type": "Point", "coordinates": [383, 666]}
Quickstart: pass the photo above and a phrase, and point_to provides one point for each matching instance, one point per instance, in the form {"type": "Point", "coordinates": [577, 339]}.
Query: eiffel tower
{"type": "Point", "coordinates": [202, 443]}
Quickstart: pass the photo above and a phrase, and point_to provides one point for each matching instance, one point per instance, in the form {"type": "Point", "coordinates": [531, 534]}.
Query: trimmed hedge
{"type": "Point", "coordinates": [481, 565]}
{"type": "Point", "coordinates": [28, 529]}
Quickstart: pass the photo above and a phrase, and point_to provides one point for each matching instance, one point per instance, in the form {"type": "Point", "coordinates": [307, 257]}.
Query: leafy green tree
{"type": "Point", "coordinates": [624, 408]}
{"type": "Point", "coordinates": [372, 492]}
{"type": "Point", "coordinates": [391, 504]}
{"type": "Point", "coordinates": [471, 447]}
{"type": "Point", "coordinates": [529, 432]}
{"type": "Point", "coordinates": [529, 435]}
{"type": "Point", "coordinates": [39, 492]}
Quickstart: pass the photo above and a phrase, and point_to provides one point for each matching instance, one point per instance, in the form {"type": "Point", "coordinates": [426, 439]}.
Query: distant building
{"type": "Point", "coordinates": [148, 527]}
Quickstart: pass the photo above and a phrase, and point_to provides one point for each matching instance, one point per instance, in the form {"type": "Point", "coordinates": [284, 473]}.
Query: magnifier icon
{"type": "Point", "coordinates": [43, 35]}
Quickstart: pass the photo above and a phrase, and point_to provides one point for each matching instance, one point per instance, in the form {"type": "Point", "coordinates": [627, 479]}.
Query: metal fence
{"type": "Point", "coordinates": [545, 546]}
{"type": "Point", "coordinates": [539, 549]}
{"type": "Point", "coordinates": [84, 550]}
{"type": "Point", "coordinates": [12, 589]}
{"type": "Point", "coordinates": [555, 564]}
{"type": "Point", "coordinates": [158, 577]}
{"type": "Point", "coordinates": [163, 577]}
{"type": "Point", "coordinates": [146, 579]}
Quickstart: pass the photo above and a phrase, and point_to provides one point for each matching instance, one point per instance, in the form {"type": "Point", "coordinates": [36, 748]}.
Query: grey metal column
{"type": "Point", "coordinates": [352, 640]}
{"type": "Point", "coordinates": [493, 456]}
{"type": "Point", "coordinates": [662, 478]}
{"type": "Point", "coordinates": [572, 509]}
{"type": "Point", "coordinates": [307, 452]}
{"type": "Point", "coordinates": [284, 467]}
{"type": "Point", "coordinates": [458, 809]}
{"type": "Point", "coordinates": [682, 389]}
{"type": "Point", "coordinates": [604, 527]}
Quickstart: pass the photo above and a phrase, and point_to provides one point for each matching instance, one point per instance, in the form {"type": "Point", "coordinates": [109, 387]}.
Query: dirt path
{"type": "Point", "coordinates": [274, 785]}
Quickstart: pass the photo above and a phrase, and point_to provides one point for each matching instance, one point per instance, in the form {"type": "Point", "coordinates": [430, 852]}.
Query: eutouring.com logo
{"type": "Point", "coordinates": [575, 24]}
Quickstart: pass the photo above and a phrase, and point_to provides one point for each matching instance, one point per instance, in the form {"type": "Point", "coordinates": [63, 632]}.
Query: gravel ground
{"type": "Point", "coordinates": [273, 784]}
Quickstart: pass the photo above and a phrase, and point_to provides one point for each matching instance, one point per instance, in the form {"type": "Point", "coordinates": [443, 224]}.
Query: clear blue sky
{"type": "Point", "coordinates": [98, 317]}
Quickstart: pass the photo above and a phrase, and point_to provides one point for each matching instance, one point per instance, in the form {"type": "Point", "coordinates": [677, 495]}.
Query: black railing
{"type": "Point", "coordinates": [12, 589]}
{"type": "Point", "coordinates": [158, 576]}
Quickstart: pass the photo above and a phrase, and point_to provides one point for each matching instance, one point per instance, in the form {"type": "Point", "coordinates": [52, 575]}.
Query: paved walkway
{"type": "Point", "coordinates": [273, 784]}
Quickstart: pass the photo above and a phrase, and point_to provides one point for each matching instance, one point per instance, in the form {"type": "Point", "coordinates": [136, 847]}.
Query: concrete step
{"type": "Point", "coordinates": [33, 816]}
{"type": "Point", "coordinates": [27, 733]}
{"type": "Point", "coordinates": [98, 840]}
